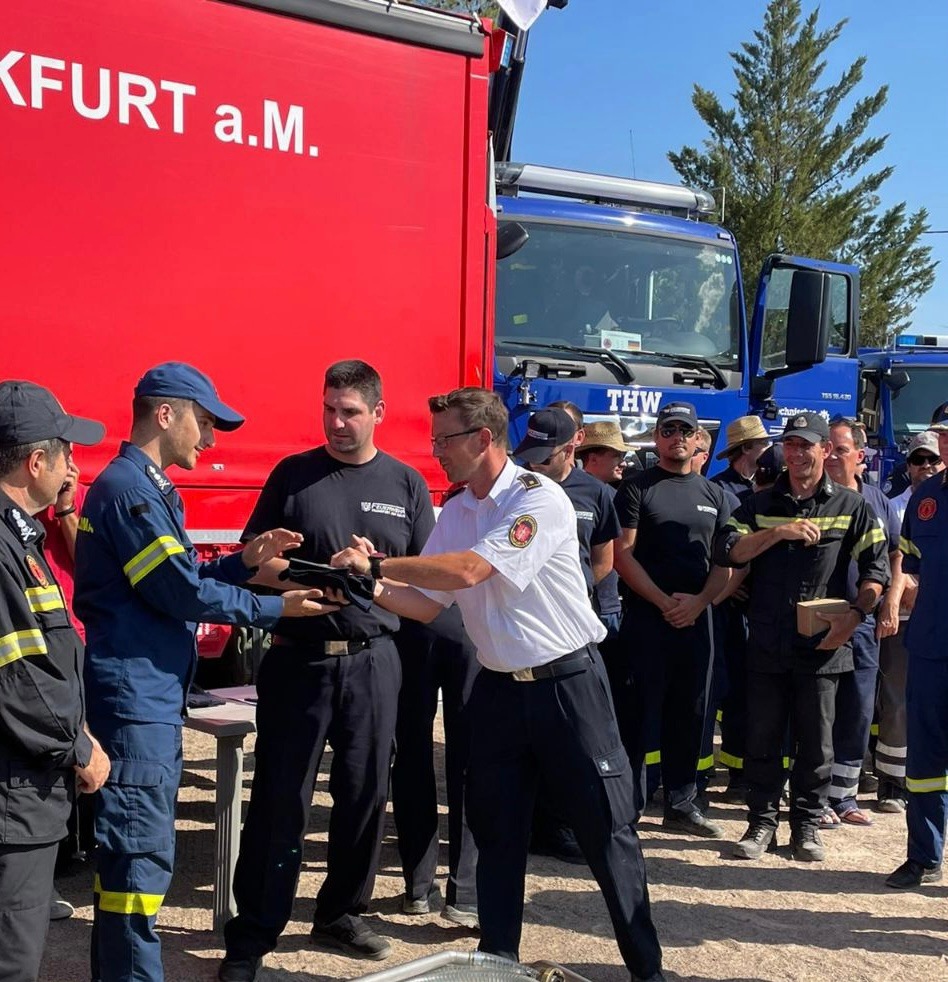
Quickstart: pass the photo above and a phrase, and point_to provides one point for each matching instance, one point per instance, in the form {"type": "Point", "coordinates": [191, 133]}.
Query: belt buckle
{"type": "Point", "coordinates": [523, 675]}
{"type": "Point", "coordinates": [336, 647]}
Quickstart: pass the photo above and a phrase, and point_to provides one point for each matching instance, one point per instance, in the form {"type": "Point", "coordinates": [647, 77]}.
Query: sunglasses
{"type": "Point", "coordinates": [671, 429]}
{"type": "Point", "coordinates": [923, 460]}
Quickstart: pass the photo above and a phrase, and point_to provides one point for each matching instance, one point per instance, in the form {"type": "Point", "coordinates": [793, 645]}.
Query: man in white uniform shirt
{"type": "Point", "coordinates": [505, 550]}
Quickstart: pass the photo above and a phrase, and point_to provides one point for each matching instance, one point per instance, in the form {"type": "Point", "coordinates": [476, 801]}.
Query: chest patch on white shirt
{"type": "Point", "coordinates": [522, 531]}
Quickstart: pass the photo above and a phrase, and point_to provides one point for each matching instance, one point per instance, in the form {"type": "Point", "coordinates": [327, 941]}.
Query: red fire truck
{"type": "Point", "coordinates": [259, 188]}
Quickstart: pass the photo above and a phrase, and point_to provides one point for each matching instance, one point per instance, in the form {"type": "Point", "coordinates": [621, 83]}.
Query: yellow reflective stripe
{"type": "Point", "coordinates": [908, 547]}
{"type": "Point", "coordinates": [138, 567]}
{"type": "Point", "coordinates": [42, 598]}
{"type": "Point", "coordinates": [825, 523]}
{"type": "Point", "coordinates": [921, 785]}
{"type": "Point", "coordinates": [19, 644]}
{"type": "Point", "coordinates": [874, 731]}
{"type": "Point", "coordinates": [115, 902]}
{"type": "Point", "coordinates": [729, 760]}
{"type": "Point", "coordinates": [786, 763]}
{"type": "Point", "coordinates": [869, 539]}
{"type": "Point", "coordinates": [738, 527]}
{"type": "Point", "coordinates": [718, 716]}
{"type": "Point", "coordinates": [705, 763]}
{"type": "Point", "coordinates": [654, 757]}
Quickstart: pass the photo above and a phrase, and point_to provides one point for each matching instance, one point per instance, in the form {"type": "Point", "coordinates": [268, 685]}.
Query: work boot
{"type": "Point", "coordinates": [757, 840]}
{"type": "Point", "coordinates": [807, 846]}
{"type": "Point", "coordinates": [912, 874]}
{"type": "Point", "coordinates": [692, 823]}
{"type": "Point", "coordinates": [238, 969]}
{"type": "Point", "coordinates": [351, 936]}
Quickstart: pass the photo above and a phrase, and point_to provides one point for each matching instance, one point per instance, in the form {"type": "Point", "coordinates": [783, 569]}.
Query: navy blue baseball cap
{"type": "Point", "coordinates": [811, 427]}
{"type": "Point", "coordinates": [677, 412]}
{"type": "Point", "coordinates": [940, 418]}
{"type": "Point", "coordinates": [177, 380]}
{"type": "Point", "coordinates": [30, 414]}
{"type": "Point", "coordinates": [547, 429]}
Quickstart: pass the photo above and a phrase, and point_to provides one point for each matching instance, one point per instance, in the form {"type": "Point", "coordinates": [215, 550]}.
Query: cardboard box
{"type": "Point", "coordinates": [808, 623]}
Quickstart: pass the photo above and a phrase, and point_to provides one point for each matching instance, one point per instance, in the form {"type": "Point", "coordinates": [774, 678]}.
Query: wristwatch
{"type": "Point", "coordinates": [375, 564]}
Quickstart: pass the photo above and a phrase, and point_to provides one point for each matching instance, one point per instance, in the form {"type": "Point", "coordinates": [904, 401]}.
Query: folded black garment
{"type": "Point", "coordinates": [358, 590]}
{"type": "Point", "coordinates": [199, 698]}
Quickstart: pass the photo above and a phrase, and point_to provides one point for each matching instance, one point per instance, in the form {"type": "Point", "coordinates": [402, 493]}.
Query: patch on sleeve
{"type": "Point", "coordinates": [926, 509]}
{"type": "Point", "coordinates": [142, 509]}
{"type": "Point", "coordinates": [529, 481]}
{"type": "Point", "coordinates": [522, 531]}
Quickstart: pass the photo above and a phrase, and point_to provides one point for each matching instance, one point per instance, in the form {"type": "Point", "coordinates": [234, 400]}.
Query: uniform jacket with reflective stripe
{"type": "Point", "coordinates": [790, 571]}
{"type": "Point", "coordinates": [41, 706]}
{"type": "Point", "coordinates": [924, 545]}
{"type": "Point", "coordinates": [141, 593]}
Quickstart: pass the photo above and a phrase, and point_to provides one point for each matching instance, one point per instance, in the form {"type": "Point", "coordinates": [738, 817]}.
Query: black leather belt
{"type": "Point", "coordinates": [563, 665]}
{"type": "Point", "coordinates": [337, 648]}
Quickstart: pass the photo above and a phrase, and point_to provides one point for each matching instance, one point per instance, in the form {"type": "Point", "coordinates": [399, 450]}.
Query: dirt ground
{"type": "Point", "coordinates": [717, 918]}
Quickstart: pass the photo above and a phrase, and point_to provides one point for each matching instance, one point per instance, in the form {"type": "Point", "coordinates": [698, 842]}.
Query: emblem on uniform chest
{"type": "Point", "coordinates": [37, 571]}
{"type": "Point", "coordinates": [522, 531]}
{"type": "Point", "coordinates": [926, 509]}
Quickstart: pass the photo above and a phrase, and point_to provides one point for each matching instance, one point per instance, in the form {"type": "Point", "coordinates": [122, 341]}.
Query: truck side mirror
{"type": "Point", "coordinates": [808, 319]}
{"type": "Point", "coordinates": [511, 237]}
{"type": "Point", "coordinates": [896, 380]}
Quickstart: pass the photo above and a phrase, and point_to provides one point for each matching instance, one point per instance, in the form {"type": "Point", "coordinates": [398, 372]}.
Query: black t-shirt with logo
{"type": "Point", "coordinates": [327, 500]}
{"type": "Point", "coordinates": [596, 520]}
{"type": "Point", "coordinates": [676, 517]}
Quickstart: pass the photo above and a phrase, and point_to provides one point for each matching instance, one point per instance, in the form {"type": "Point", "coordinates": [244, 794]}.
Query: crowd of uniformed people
{"type": "Point", "coordinates": [586, 620]}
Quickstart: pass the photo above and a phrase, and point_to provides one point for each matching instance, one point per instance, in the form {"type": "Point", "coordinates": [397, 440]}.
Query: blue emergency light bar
{"type": "Point", "coordinates": [922, 341]}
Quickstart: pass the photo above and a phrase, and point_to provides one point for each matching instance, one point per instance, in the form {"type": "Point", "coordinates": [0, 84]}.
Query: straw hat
{"type": "Point", "coordinates": [743, 429]}
{"type": "Point", "coordinates": [605, 434]}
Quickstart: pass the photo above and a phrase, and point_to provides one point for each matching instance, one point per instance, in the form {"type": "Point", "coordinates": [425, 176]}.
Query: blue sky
{"type": "Point", "coordinates": [601, 68]}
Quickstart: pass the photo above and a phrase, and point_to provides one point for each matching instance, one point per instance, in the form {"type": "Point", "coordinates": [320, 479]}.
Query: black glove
{"type": "Point", "coordinates": [358, 590]}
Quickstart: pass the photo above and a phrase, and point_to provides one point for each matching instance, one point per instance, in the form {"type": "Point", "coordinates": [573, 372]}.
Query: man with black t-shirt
{"type": "Point", "coordinates": [337, 680]}
{"type": "Point", "coordinates": [669, 517]}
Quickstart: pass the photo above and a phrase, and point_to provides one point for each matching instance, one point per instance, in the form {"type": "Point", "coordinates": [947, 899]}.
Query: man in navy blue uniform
{"type": "Point", "coordinates": [141, 593]}
{"type": "Point", "coordinates": [669, 517]}
{"type": "Point", "coordinates": [335, 680]}
{"type": "Point", "coordinates": [925, 557]}
{"type": "Point", "coordinates": [856, 695]}
{"type": "Point", "coordinates": [46, 750]}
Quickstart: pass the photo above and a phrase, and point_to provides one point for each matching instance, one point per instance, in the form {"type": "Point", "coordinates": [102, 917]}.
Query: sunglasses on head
{"type": "Point", "coordinates": [671, 429]}
{"type": "Point", "coordinates": [921, 459]}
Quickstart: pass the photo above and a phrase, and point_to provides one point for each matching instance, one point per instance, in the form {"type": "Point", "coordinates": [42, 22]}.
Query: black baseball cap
{"type": "Point", "coordinates": [547, 429]}
{"type": "Point", "coordinates": [677, 412]}
{"type": "Point", "coordinates": [811, 427]}
{"type": "Point", "coordinates": [940, 418]}
{"type": "Point", "coordinates": [29, 414]}
{"type": "Point", "coordinates": [177, 380]}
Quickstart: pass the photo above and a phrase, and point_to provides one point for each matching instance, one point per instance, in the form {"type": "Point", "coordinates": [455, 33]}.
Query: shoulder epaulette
{"type": "Point", "coordinates": [529, 481]}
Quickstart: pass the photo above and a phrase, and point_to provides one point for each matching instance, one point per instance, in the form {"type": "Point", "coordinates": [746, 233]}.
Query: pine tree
{"type": "Point", "coordinates": [796, 158]}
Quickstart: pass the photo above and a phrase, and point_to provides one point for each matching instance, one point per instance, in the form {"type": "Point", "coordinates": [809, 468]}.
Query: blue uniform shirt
{"type": "Point", "coordinates": [924, 544]}
{"type": "Point", "coordinates": [141, 592]}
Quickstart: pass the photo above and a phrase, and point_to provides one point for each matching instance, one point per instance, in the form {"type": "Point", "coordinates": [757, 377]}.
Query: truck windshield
{"type": "Point", "coordinates": [629, 293]}
{"type": "Point", "coordinates": [913, 404]}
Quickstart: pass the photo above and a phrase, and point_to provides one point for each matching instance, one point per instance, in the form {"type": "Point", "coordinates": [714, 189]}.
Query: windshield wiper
{"type": "Point", "coordinates": [699, 361]}
{"type": "Point", "coordinates": [604, 353]}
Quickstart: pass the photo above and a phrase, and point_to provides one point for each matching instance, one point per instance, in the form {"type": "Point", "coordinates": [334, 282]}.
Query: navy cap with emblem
{"type": "Point", "coordinates": [547, 429]}
{"type": "Point", "coordinates": [178, 380]}
{"type": "Point", "coordinates": [30, 414]}
{"type": "Point", "coordinates": [811, 427]}
{"type": "Point", "coordinates": [678, 412]}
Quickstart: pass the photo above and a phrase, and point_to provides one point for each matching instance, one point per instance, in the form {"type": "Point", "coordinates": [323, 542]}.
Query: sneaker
{"type": "Point", "coordinates": [757, 840]}
{"type": "Point", "coordinates": [692, 823]}
{"type": "Point", "coordinates": [911, 874]}
{"type": "Point", "coordinates": [238, 969]}
{"type": "Point", "coordinates": [807, 846]}
{"type": "Point", "coordinates": [351, 937]}
{"type": "Point", "coordinates": [59, 907]}
{"type": "Point", "coordinates": [422, 906]}
{"type": "Point", "coordinates": [463, 914]}
{"type": "Point", "coordinates": [561, 845]}
{"type": "Point", "coordinates": [894, 804]}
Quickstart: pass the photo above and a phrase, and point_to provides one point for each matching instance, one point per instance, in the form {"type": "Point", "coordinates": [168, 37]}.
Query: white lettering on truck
{"type": "Point", "coordinates": [138, 98]}
{"type": "Point", "coordinates": [633, 401]}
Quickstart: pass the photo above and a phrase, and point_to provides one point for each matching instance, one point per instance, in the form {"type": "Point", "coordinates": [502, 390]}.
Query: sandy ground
{"type": "Point", "coordinates": [717, 918]}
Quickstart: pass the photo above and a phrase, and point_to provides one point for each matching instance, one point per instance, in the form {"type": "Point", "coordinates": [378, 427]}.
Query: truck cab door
{"type": "Point", "coordinates": [804, 339]}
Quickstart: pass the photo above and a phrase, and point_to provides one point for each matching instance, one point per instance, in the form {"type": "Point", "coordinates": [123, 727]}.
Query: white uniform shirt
{"type": "Point", "coordinates": [535, 608]}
